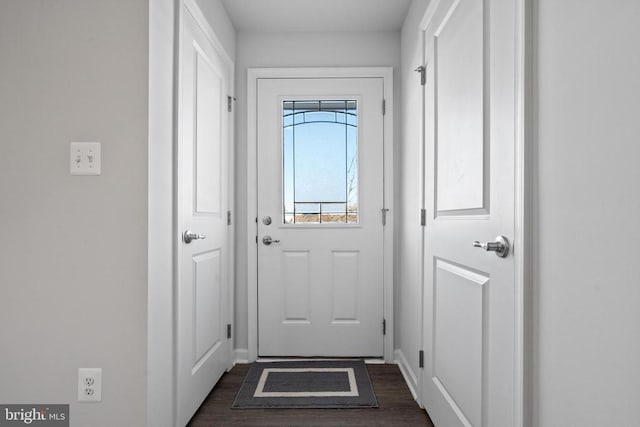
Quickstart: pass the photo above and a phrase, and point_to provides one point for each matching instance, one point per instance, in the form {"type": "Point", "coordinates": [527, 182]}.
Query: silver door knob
{"type": "Point", "coordinates": [188, 236]}
{"type": "Point", "coordinates": [267, 240]}
{"type": "Point", "coordinates": [501, 246]}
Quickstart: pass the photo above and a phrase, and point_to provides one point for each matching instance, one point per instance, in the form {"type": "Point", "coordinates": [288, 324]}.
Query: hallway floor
{"type": "Point", "coordinates": [397, 407]}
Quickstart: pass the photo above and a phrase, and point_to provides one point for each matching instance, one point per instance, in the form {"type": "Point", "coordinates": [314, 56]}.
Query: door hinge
{"type": "Point", "coordinates": [229, 331]}
{"type": "Point", "coordinates": [421, 359]}
{"type": "Point", "coordinates": [384, 326]}
{"type": "Point", "coordinates": [384, 215]}
{"type": "Point", "coordinates": [423, 217]}
{"type": "Point", "coordinates": [384, 107]}
{"type": "Point", "coordinates": [228, 217]}
{"type": "Point", "coordinates": [423, 74]}
{"type": "Point", "coordinates": [230, 100]}
{"type": "Point", "coordinates": [256, 240]}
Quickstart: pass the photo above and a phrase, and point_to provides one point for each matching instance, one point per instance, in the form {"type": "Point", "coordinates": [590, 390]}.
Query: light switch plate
{"type": "Point", "coordinates": [84, 158]}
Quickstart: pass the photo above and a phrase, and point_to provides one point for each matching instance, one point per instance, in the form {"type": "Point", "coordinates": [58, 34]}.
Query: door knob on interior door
{"type": "Point", "coordinates": [188, 236]}
{"type": "Point", "coordinates": [501, 246]}
{"type": "Point", "coordinates": [267, 240]}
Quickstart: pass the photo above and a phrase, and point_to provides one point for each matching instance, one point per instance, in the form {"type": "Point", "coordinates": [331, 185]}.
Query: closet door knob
{"type": "Point", "coordinates": [501, 246]}
{"type": "Point", "coordinates": [188, 236]}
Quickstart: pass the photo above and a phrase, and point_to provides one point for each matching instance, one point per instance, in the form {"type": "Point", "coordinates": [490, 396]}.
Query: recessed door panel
{"type": "Point", "coordinates": [208, 136]}
{"type": "Point", "coordinates": [207, 300]}
{"type": "Point", "coordinates": [458, 337]}
{"type": "Point", "coordinates": [296, 277]}
{"type": "Point", "coordinates": [459, 80]}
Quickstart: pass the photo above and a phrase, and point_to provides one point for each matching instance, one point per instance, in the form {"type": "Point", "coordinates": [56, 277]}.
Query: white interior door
{"type": "Point", "coordinates": [203, 349]}
{"type": "Point", "coordinates": [470, 333]}
{"type": "Point", "coordinates": [320, 200]}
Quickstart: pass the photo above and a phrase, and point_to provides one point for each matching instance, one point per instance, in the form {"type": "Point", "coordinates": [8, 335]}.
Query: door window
{"type": "Point", "coordinates": [320, 162]}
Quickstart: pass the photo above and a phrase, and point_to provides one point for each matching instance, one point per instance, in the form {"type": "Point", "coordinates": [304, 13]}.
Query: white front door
{"type": "Point", "coordinates": [320, 200]}
{"type": "Point", "coordinates": [470, 333]}
{"type": "Point", "coordinates": [203, 349]}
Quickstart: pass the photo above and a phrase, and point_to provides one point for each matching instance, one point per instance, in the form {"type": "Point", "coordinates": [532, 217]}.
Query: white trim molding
{"type": "Point", "coordinates": [240, 355]}
{"type": "Point", "coordinates": [524, 239]}
{"type": "Point", "coordinates": [192, 7]}
{"type": "Point", "coordinates": [253, 74]}
{"type": "Point", "coordinates": [409, 376]}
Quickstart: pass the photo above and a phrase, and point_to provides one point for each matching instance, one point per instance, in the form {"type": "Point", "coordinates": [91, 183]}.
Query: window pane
{"type": "Point", "coordinates": [287, 173]}
{"type": "Point", "coordinates": [320, 162]}
{"type": "Point", "coordinates": [352, 175]}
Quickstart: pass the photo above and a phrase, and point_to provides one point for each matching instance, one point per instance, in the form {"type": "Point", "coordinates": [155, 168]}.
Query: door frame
{"type": "Point", "coordinates": [524, 205]}
{"type": "Point", "coordinates": [253, 74]}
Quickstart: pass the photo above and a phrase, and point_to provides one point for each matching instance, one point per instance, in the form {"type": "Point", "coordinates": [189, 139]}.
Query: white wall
{"type": "Point", "coordinates": [73, 271]}
{"type": "Point", "coordinates": [74, 276]}
{"type": "Point", "coordinates": [587, 287]}
{"type": "Point", "coordinates": [254, 50]}
{"type": "Point", "coordinates": [409, 232]}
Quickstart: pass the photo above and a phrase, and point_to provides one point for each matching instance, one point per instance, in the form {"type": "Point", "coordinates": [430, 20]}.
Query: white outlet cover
{"type": "Point", "coordinates": [84, 158]}
{"type": "Point", "coordinates": [88, 392]}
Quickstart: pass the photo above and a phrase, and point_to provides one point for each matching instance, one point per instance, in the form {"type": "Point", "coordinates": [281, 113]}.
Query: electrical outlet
{"type": "Point", "coordinates": [90, 384]}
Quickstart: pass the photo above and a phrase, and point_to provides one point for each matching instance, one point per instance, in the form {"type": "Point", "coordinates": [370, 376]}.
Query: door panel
{"type": "Point", "coordinates": [297, 292]}
{"type": "Point", "coordinates": [459, 311]}
{"type": "Point", "coordinates": [320, 181]}
{"type": "Point", "coordinates": [207, 293]}
{"type": "Point", "coordinates": [203, 351]}
{"type": "Point", "coordinates": [458, 80]}
{"type": "Point", "coordinates": [469, 293]}
{"type": "Point", "coordinates": [208, 155]}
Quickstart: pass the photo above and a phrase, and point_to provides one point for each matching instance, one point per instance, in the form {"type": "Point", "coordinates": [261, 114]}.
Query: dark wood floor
{"type": "Point", "coordinates": [396, 406]}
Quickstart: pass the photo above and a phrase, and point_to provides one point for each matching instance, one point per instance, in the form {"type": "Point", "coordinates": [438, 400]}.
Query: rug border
{"type": "Point", "coordinates": [359, 363]}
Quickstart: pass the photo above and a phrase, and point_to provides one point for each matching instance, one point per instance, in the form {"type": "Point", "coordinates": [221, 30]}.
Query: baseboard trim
{"type": "Point", "coordinates": [409, 377]}
{"type": "Point", "coordinates": [240, 355]}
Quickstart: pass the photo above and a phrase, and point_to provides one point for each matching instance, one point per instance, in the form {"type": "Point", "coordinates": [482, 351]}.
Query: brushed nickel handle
{"type": "Point", "coordinates": [188, 236]}
{"type": "Point", "coordinates": [501, 246]}
{"type": "Point", "coordinates": [267, 240]}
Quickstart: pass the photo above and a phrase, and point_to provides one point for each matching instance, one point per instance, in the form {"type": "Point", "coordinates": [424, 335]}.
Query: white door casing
{"type": "Point", "coordinates": [320, 287]}
{"type": "Point", "coordinates": [472, 322]}
{"type": "Point", "coordinates": [203, 349]}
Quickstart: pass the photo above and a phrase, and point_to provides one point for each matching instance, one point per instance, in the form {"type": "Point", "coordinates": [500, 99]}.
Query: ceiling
{"type": "Point", "coordinates": [317, 15]}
